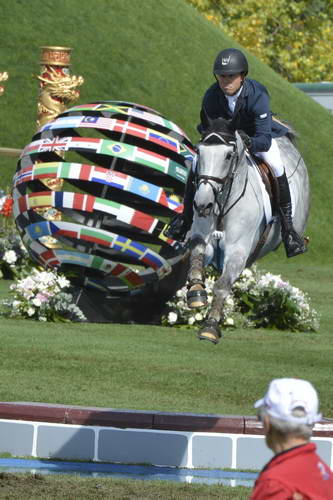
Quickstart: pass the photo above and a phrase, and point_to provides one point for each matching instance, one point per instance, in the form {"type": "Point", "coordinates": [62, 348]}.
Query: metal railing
{"type": "Point", "coordinates": [10, 152]}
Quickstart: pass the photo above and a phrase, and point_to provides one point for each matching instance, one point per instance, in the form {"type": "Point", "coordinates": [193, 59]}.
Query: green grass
{"type": "Point", "coordinates": [158, 53]}
{"type": "Point", "coordinates": [167, 369]}
{"type": "Point", "coordinates": [15, 486]}
{"type": "Point", "coordinates": [155, 52]}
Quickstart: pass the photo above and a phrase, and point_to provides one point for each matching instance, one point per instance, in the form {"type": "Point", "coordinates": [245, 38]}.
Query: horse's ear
{"type": "Point", "coordinates": [239, 144]}
{"type": "Point", "coordinates": [206, 120]}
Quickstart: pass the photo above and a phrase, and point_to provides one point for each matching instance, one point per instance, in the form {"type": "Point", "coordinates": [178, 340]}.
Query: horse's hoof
{"type": "Point", "coordinates": [210, 331]}
{"type": "Point", "coordinates": [196, 297]}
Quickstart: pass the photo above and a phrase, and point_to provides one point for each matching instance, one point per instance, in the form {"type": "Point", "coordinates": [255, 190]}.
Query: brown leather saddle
{"type": "Point", "coordinates": [271, 185]}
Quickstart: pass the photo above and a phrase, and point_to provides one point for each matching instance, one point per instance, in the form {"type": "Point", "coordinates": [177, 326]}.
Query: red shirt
{"type": "Point", "coordinates": [295, 474]}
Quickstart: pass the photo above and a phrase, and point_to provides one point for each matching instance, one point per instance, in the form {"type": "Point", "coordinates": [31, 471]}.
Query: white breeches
{"type": "Point", "coordinates": [273, 158]}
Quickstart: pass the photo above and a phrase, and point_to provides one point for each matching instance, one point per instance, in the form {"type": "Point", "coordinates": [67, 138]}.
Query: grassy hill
{"type": "Point", "coordinates": [154, 52]}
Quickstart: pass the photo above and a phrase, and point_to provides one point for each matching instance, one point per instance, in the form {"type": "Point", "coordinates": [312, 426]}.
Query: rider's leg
{"type": "Point", "coordinates": [181, 223]}
{"type": "Point", "coordinates": [293, 243]}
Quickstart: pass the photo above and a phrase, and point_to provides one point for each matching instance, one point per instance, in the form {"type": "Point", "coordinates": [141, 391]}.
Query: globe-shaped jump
{"type": "Point", "coordinates": [94, 191]}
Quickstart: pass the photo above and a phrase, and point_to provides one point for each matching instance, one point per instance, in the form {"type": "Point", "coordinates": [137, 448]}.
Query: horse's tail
{"type": "Point", "coordinates": [291, 134]}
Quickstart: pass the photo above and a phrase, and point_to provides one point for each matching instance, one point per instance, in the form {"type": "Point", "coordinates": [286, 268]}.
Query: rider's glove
{"type": "Point", "coordinates": [245, 138]}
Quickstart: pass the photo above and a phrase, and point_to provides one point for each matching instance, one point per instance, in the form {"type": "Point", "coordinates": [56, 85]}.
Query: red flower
{"type": "Point", "coordinates": [7, 207]}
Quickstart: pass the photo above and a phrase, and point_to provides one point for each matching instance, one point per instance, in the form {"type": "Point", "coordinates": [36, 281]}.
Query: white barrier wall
{"type": "Point", "coordinates": [130, 443]}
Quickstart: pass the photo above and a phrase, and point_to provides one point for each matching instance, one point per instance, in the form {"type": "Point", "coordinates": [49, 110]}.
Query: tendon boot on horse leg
{"type": "Point", "coordinates": [181, 223]}
{"type": "Point", "coordinates": [196, 293]}
{"type": "Point", "coordinates": [293, 243]}
{"type": "Point", "coordinates": [210, 331]}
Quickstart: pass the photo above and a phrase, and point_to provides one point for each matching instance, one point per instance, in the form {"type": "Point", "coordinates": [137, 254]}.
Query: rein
{"type": "Point", "coordinates": [222, 193]}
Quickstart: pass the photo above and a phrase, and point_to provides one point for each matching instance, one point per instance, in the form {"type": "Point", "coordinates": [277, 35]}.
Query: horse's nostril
{"type": "Point", "coordinates": [203, 210]}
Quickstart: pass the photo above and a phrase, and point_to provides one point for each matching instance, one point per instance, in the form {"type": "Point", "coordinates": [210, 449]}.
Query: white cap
{"type": "Point", "coordinates": [286, 394]}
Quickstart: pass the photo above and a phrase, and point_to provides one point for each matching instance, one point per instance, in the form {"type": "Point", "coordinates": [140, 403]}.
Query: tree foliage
{"type": "Point", "coordinates": [294, 37]}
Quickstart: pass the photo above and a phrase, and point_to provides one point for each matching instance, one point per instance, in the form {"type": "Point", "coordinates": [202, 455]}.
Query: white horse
{"type": "Point", "coordinates": [233, 222]}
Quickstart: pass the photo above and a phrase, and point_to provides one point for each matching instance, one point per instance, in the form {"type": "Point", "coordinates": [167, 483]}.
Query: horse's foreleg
{"type": "Point", "coordinates": [196, 294]}
{"type": "Point", "coordinates": [233, 267]}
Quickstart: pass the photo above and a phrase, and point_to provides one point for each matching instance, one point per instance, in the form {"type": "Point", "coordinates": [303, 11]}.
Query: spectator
{"type": "Point", "coordinates": [288, 412]}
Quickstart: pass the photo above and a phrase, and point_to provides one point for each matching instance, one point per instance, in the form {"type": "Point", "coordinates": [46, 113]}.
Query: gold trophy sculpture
{"type": "Point", "coordinates": [3, 78]}
{"type": "Point", "coordinates": [57, 91]}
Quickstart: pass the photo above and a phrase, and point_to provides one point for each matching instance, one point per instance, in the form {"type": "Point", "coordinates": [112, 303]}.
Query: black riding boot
{"type": "Point", "coordinates": [181, 223]}
{"type": "Point", "coordinates": [293, 243]}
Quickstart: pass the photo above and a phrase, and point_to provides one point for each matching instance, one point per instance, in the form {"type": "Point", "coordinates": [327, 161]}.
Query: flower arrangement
{"type": "Point", "coordinates": [41, 296]}
{"type": "Point", "coordinates": [257, 300]}
{"type": "Point", "coordinates": [14, 258]}
{"type": "Point", "coordinates": [6, 204]}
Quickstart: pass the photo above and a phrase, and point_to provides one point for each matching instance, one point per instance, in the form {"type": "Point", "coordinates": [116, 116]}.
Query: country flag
{"type": "Point", "coordinates": [63, 122]}
{"type": "Point", "coordinates": [151, 159]}
{"type": "Point", "coordinates": [86, 143]}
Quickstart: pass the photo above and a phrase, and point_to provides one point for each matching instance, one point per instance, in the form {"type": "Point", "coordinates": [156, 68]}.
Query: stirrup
{"type": "Point", "coordinates": [293, 243]}
{"type": "Point", "coordinates": [177, 229]}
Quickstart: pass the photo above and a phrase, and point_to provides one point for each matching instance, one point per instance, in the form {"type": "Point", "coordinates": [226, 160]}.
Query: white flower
{"type": "Point", "coordinates": [247, 273]}
{"type": "Point", "coordinates": [31, 311]}
{"type": "Point", "coordinates": [27, 283]}
{"type": "Point", "coordinates": [172, 317]}
{"type": "Point", "coordinates": [42, 318]}
{"type": "Point", "coordinates": [10, 257]}
{"type": "Point", "coordinates": [36, 302]}
{"type": "Point", "coordinates": [264, 291]}
{"type": "Point", "coordinates": [191, 320]}
{"type": "Point", "coordinates": [230, 301]}
{"type": "Point", "coordinates": [63, 282]}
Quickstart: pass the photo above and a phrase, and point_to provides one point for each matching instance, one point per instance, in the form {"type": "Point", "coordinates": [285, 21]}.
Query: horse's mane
{"type": "Point", "coordinates": [291, 134]}
{"type": "Point", "coordinates": [217, 131]}
{"type": "Point", "coordinates": [226, 133]}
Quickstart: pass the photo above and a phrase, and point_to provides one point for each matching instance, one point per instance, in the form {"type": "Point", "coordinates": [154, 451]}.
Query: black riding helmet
{"type": "Point", "coordinates": [229, 62]}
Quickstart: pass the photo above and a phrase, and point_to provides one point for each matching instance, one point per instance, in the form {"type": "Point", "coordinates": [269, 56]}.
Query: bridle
{"type": "Point", "coordinates": [222, 191]}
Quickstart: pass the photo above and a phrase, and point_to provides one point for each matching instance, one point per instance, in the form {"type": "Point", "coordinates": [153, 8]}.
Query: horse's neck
{"type": "Point", "coordinates": [239, 182]}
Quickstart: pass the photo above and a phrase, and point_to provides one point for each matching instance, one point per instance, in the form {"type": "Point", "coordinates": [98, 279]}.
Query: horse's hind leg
{"type": "Point", "coordinates": [196, 294]}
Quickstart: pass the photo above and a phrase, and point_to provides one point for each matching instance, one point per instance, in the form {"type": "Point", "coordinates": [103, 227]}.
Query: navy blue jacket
{"type": "Point", "coordinates": [252, 113]}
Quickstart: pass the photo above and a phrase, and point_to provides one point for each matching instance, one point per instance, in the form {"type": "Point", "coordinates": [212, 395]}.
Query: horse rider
{"type": "Point", "coordinates": [246, 104]}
